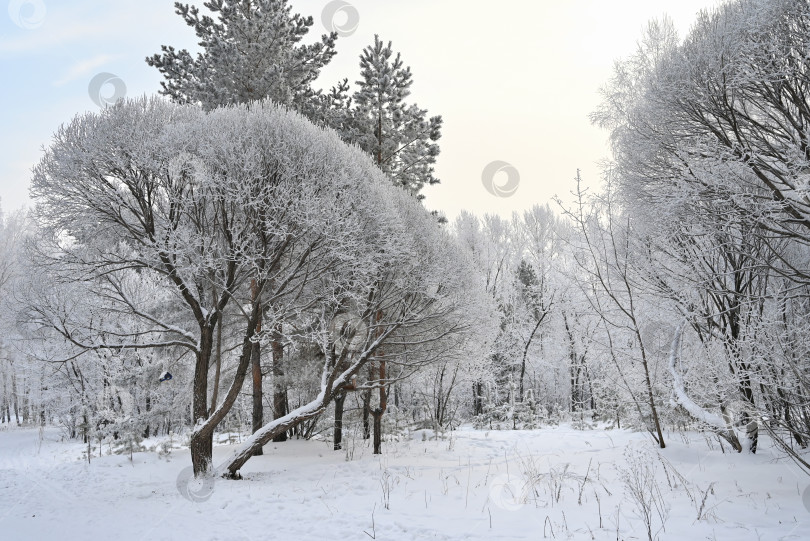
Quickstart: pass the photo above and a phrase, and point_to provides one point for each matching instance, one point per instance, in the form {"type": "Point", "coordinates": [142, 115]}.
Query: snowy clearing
{"type": "Point", "coordinates": [552, 483]}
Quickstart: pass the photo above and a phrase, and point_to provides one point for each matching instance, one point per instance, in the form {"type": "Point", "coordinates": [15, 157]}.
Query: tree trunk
{"type": "Point", "coordinates": [203, 434]}
{"type": "Point", "coordinates": [215, 394]}
{"type": "Point", "coordinates": [526, 353]}
{"type": "Point", "coordinates": [3, 406]}
{"type": "Point", "coordinates": [367, 406]}
{"type": "Point", "coordinates": [280, 408]}
{"type": "Point", "coordinates": [478, 398]}
{"type": "Point", "coordinates": [202, 443]}
{"type": "Point", "coordinates": [377, 413]}
{"type": "Point", "coordinates": [590, 390]}
{"type": "Point", "coordinates": [340, 399]}
{"type": "Point", "coordinates": [258, 414]}
{"type": "Point", "coordinates": [653, 409]}
{"type": "Point", "coordinates": [741, 370]}
{"type": "Point", "coordinates": [256, 365]}
{"type": "Point", "coordinates": [148, 430]}
{"type": "Point", "coordinates": [14, 399]}
{"type": "Point", "coordinates": [202, 453]}
{"type": "Point", "coordinates": [747, 419]}
{"type": "Point", "coordinates": [574, 368]}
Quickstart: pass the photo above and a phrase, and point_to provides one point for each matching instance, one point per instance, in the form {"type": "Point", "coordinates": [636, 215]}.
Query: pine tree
{"type": "Point", "coordinates": [399, 137]}
{"type": "Point", "coordinates": [251, 51]}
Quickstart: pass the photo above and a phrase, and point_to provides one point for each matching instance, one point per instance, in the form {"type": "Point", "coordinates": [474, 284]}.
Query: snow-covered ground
{"type": "Point", "coordinates": [554, 483]}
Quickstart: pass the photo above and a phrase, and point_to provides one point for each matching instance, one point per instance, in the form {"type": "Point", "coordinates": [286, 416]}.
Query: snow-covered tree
{"type": "Point", "coordinates": [400, 138]}
{"type": "Point", "coordinates": [206, 205]}
{"type": "Point", "coordinates": [708, 137]}
{"type": "Point", "coordinates": [250, 50]}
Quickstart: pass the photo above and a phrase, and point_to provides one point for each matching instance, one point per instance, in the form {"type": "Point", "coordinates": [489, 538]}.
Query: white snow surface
{"type": "Point", "coordinates": [552, 483]}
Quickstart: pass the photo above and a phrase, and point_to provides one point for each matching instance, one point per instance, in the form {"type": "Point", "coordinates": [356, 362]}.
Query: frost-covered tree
{"type": "Point", "coordinates": [202, 206]}
{"type": "Point", "coordinates": [15, 380]}
{"type": "Point", "coordinates": [200, 203]}
{"type": "Point", "coordinates": [411, 291]}
{"type": "Point", "coordinates": [490, 244]}
{"type": "Point", "coordinates": [709, 138]}
{"type": "Point", "coordinates": [250, 50]}
{"type": "Point", "coordinates": [400, 138]}
{"type": "Point", "coordinates": [605, 252]}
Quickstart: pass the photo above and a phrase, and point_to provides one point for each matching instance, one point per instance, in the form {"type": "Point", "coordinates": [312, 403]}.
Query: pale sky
{"type": "Point", "coordinates": [514, 80]}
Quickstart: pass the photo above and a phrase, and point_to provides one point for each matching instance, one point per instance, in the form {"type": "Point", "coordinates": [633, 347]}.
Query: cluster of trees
{"type": "Point", "coordinates": [177, 235]}
{"type": "Point", "coordinates": [187, 235]}
{"type": "Point", "coordinates": [710, 137]}
{"type": "Point", "coordinates": [230, 233]}
{"type": "Point", "coordinates": [253, 51]}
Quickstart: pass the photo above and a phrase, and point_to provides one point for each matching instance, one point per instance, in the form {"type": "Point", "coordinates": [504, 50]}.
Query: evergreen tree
{"type": "Point", "coordinates": [399, 137]}
{"type": "Point", "coordinates": [251, 51]}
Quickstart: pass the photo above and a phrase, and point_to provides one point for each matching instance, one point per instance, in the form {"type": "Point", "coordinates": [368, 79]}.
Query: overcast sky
{"type": "Point", "coordinates": [513, 79]}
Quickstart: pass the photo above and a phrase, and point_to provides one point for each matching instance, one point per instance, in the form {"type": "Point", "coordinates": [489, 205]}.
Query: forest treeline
{"type": "Point", "coordinates": [250, 253]}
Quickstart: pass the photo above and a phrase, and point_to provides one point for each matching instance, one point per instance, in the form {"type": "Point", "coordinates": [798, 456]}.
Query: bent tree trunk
{"type": "Point", "coordinates": [261, 438]}
{"type": "Point", "coordinates": [719, 425]}
{"type": "Point", "coordinates": [333, 380]}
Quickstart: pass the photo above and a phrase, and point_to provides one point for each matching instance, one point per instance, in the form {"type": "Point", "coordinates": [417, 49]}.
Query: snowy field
{"type": "Point", "coordinates": [554, 483]}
